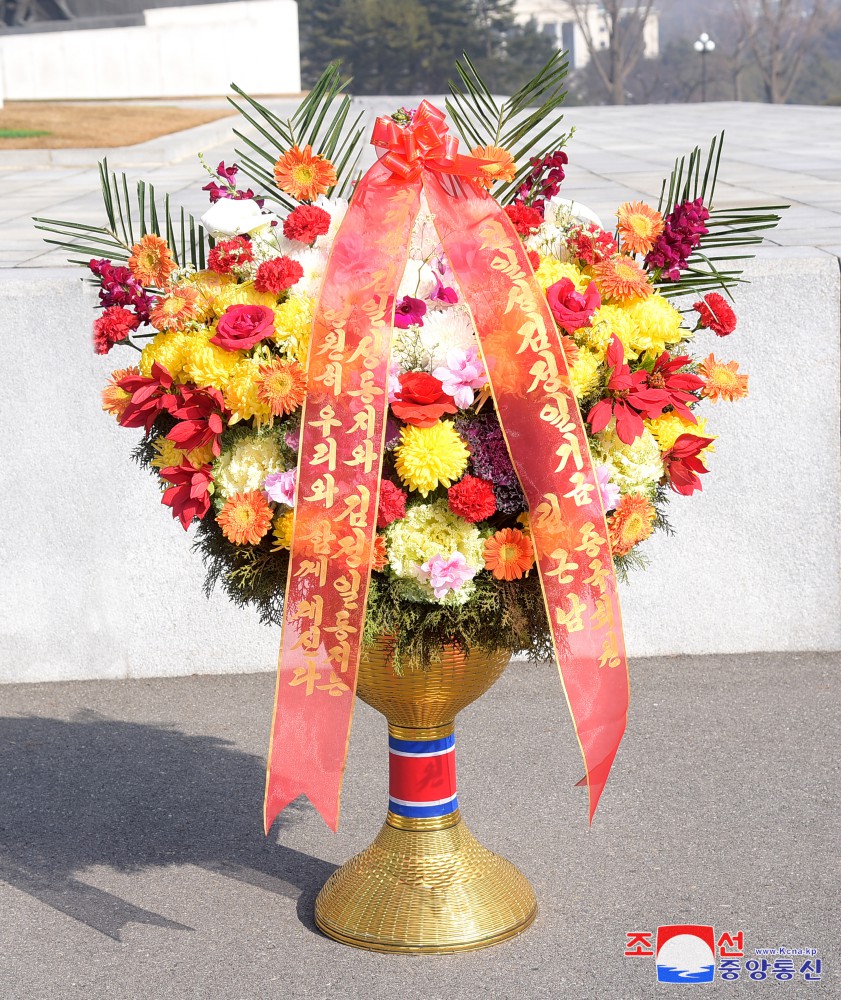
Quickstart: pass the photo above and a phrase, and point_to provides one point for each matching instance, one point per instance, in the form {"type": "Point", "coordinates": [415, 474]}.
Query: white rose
{"type": "Point", "coordinates": [235, 217]}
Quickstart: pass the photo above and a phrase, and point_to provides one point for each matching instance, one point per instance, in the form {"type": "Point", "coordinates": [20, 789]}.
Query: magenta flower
{"type": "Point", "coordinates": [446, 573]}
{"type": "Point", "coordinates": [463, 373]}
{"type": "Point", "coordinates": [280, 487]}
{"type": "Point", "coordinates": [409, 312]}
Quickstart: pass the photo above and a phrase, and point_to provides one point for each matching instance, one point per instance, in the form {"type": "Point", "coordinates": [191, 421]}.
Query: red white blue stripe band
{"type": "Point", "coordinates": [422, 777]}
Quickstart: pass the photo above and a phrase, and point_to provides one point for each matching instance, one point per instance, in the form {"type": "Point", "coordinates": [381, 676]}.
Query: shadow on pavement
{"type": "Point", "coordinates": [98, 791]}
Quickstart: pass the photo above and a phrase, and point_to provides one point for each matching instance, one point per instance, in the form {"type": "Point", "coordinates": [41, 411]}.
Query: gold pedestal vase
{"type": "Point", "coordinates": [425, 884]}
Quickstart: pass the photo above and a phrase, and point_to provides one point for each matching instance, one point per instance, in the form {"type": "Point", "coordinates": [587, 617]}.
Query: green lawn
{"type": "Point", "coordinates": [21, 133]}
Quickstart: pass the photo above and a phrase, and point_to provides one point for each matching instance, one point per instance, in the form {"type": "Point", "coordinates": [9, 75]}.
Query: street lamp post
{"type": "Point", "coordinates": [704, 44]}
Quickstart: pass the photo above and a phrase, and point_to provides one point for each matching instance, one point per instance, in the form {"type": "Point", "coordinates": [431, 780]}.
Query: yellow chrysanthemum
{"type": "Point", "coordinates": [282, 531]}
{"type": "Point", "coordinates": [209, 285]}
{"type": "Point", "coordinates": [167, 455]}
{"type": "Point", "coordinates": [429, 457]}
{"type": "Point", "coordinates": [167, 349]}
{"type": "Point", "coordinates": [657, 323]}
{"type": "Point", "coordinates": [605, 321]}
{"type": "Point", "coordinates": [583, 374]}
{"type": "Point", "coordinates": [551, 270]}
{"type": "Point", "coordinates": [668, 427]}
{"type": "Point", "coordinates": [240, 295]}
{"type": "Point", "coordinates": [242, 392]}
{"type": "Point", "coordinates": [207, 364]}
{"type": "Point", "coordinates": [293, 324]}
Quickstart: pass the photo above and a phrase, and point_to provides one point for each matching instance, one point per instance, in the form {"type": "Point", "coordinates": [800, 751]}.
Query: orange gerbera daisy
{"type": "Point", "coordinates": [175, 310]}
{"type": "Point", "coordinates": [639, 226]}
{"type": "Point", "coordinates": [245, 518]}
{"type": "Point", "coordinates": [151, 261]}
{"type": "Point", "coordinates": [621, 277]}
{"type": "Point", "coordinates": [114, 399]}
{"type": "Point", "coordinates": [502, 167]}
{"type": "Point", "coordinates": [380, 557]}
{"type": "Point", "coordinates": [304, 174]}
{"type": "Point", "coordinates": [282, 386]}
{"type": "Point", "coordinates": [631, 523]}
{"type": "Point", "coordinates": [723, 381]}
{"type": "Point", "coordinates": [509, 554]}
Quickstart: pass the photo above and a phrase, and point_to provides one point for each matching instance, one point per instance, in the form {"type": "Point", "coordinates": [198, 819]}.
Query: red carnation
{"type": "Point", "coordinates": [228, 254]}
{"type": "Point", "coordinates": [472, 498]}
{"type": "Point", "coordinates": [524, 218]}
{"type": "Point", "coordinates": [683, 465]}
{"type": "Point", "coordinates": [277, 275]}
{"type": "Point", "coordinates": [421, 400]}
{"type": "Point", "coordinates": [113, 325]}
{"type": "Point", "coordinates": [242, 327]}
{"type": "Point", "coordinates": [714, 313]}
{"type": "Point", "coordinates": [306, 223]}
{"type": "Point", "coordinates": [392, 504]}
{"type": "Point", "coordinates": [591, 245]}
{"type": "Point", "coordinates": [534, 259]}
{"type": "Point", "coordinates": [189, 494]}
{"type": "Point", "coordinates": [571, 309]}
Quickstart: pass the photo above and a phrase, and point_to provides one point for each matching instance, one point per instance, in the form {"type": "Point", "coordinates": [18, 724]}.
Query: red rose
{"type": "Point", "coordinates": [242, 327]}
{"type": "Point", "coordinates": [306, 223]}
{"type": "Point", "coordinates": [277, 275]}
{"type": "Point", "coordinates": [112, 326]}
{"type": "Point", "coordinates": [472, 498]}
{"type": "Point", "coordinates": [571, 309]}
{"type": "Point", "coordinates": [392, 504]}
{"type": "Point", "coordinates": [524, 218]}
{"type": "Point", "coordinates": [715, 314]}
{"type": "Point", "coordinates": [228, 254]}
{"type": "Point", "coordinates": [421, 400]}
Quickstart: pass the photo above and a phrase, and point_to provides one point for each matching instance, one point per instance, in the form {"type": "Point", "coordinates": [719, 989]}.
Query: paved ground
{"type": "Point", "coordinates": [135, 865]}
{"type": "Point", "coordinates": [787, 154]}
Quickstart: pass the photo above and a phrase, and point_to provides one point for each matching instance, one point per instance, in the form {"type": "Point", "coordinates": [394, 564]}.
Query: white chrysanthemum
{"type": "Point", "coordinates": [244, 466]}
{"type": "Point", "coordinates": [444, 330]}
{"type": "Point", "coordinates": [314, 263]}
{"type": "Point", "coordinates": [634, 468]}
{"type": "Point", "coordinates": [336, 208]}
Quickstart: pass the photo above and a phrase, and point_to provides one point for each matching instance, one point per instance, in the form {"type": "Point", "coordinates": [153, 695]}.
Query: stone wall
{"type": "Point", "coordinates": [99, 581]}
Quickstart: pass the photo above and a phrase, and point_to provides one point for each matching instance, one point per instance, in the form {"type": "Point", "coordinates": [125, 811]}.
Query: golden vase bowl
{"type": "Point", "coordinates": [425, 884]}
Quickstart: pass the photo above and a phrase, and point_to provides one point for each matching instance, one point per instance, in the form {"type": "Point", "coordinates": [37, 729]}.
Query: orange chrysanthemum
{"type": "Point", "coordinates": [304, 174]}
{"type": "Point", "coordinates": [621, 277]}
{"type": "Point", "coordinates": [639, 226]}
{"type": "Point", "coordinates": [723, 381]}
{"type": "Point", "coordinates": [151, 261]}
{"type": "Point", "coordinates": [502, 167]}
{"type": "Point", "coordinates": [509, 554]}
{"type": "Point", "coordinates": [631, 523]}
{"type": "Point", "coordinates": [245, 518]}
{"type": "Point", "coordinates": [114, 399]}
{"type": "Point", "coordinates": [282, 386]}
{"type": "Point", "coordinates": [175, 310]}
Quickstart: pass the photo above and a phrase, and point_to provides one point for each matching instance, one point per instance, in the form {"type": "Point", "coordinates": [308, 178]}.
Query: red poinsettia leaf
{"type": "Point", "coordinates": [599, 416]}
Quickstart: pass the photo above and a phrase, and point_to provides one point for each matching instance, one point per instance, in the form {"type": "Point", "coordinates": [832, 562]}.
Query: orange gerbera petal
{"type": "Point", "coordinates": [176, 309]}
{"type": "Point", "coordinates": [245, 518]}
{"type": "Point", "coordinates": [304, 174]}
{"type": "Point", "coordinates": [509, 554]}
{"type": "Point", "coordinates": [502, 167]}
{"type": "Point", "coordinates": [282, 386]}
{"type": "Point", "coordinates": [723, 381]}
{"type": "Point", "coordinates": [631, 523]}
{"type": "Point", "coordinates": [621, 277]}
{"type": "Point", "coordinates": [151, 261]}
{"type": "Point", "coordinates": [639, 226]}
{"type": "Point", "coordinates": [114, 399]}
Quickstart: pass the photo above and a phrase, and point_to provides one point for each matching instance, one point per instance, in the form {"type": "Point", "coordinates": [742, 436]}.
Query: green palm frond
{"type": "Point", "coordinates": [328, 129]}
{"type": "Point", "coordinates": [730, 229]}
{"type": "Point", "coordinates": [527, 124]}
{"type": "Point", "coordinates": [130, 215]}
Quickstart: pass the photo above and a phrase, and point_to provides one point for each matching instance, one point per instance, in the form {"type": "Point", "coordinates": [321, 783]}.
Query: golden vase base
{"type": "Point", "coordinates": [425, 891]}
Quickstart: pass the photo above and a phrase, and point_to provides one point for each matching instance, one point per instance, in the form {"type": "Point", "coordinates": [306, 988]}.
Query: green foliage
{"type": "Point", "coordinates": [22, 133]}
{"type": "Point", "coordinates": [130, 216]}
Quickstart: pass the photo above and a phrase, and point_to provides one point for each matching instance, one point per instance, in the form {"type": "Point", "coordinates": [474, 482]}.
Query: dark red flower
{"type": "Point", "coordinates": [421, 400]}
{"type": "Point", "coordinates": [277, 275]}
{"type": "Point", "coordinates": [628, 397]}
{"type": "Point", "coordinates": [683, 465]}
{"type": "Point", "coordinates": [472, 498]}
{"type": "Point", "coordinates": [111, 327]}
{"type": "Point", "coordinates": [524, 218]}
{"type": "Point", "coordinates": [714, 313]}
{"type": "Point", "coordinates": [572, 309]}
{"type": "Point", "coordinates": [534, 259]}
{"type": "Point", "coordinates": [189, 494]}
{"type": "Point", "coordinates": [683, 228]}
{"type": "Point", "coordinates": [591, 245]}
{"type": "Point", "coordinates": [306, 223]}
{"type": "Point", "coordinates": [242, 327]}
{"type": "Point", "coordinates": [200, 414]}
{"type": "Point", "coordinates": [149, 396]}
{"type": "Point", "coordinates": [675, 388]}
{"type": "Point", "coordinates": [228, 254]}
{"type": "Point", "coordinates": [392, 504]}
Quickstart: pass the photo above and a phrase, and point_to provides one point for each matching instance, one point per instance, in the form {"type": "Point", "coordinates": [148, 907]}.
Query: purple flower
{"type": "Point", "coordinates": [409, 312]}
{"type": "Point", "coordinates": [292, 440]}
{"type": "Point", "coordinates": [228, 189]}
{"type": "Point", "coordinates": [489, 455]}
{"type": "Point", "coordinates": [463, 373]}
{"type": "Point", "coordinates": [683, 228]}
{"type": "Point", "coordinates": [392, 433]}
{"type": "Point", "coordinates": [119, 287]}
{"type": "Point", "coordinates": [608, 490]}
{"type": "Point", "coordinates": [280, 487]}
{"type": "Point", "coordinates": [445, 573]}
{"type": "Point", "coordinates": [509, 499]}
